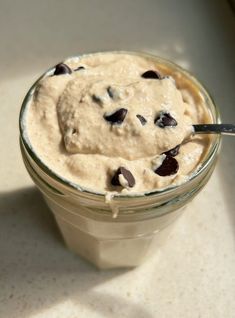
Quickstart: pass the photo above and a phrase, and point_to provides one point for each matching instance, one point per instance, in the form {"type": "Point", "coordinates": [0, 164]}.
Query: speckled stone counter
{"type": "Point", "coordinates": [193, 275]}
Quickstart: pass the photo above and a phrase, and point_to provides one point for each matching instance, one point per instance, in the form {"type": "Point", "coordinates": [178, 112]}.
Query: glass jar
{"type": "Point", "coordinates": [85, 218]}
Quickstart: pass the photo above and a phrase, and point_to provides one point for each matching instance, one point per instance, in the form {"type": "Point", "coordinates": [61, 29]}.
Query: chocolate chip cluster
{"type": "Point", "coordinates": [122, 177]}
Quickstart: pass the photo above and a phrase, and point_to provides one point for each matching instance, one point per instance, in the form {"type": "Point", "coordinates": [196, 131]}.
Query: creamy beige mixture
{"type": "Point", "coordinates": [109, 126]}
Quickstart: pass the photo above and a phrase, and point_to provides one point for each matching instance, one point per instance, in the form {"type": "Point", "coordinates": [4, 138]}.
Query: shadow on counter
{"type": "Point", "coordinates": [38, 273]}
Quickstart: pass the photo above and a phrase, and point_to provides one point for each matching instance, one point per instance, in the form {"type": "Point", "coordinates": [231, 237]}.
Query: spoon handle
{"type": "Point", "coordinates": [225, 129]}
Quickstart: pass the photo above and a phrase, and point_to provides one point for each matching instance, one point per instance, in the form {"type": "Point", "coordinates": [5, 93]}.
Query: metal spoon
{"type": "Point", "coordinates": [225, 129]}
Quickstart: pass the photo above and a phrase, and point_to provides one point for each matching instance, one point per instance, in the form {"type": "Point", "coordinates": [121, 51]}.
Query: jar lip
{"type": "Point", "coordinates": [74, 187]}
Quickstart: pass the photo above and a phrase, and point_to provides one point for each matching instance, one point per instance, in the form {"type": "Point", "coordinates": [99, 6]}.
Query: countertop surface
{"type": "Point", "coordinates": [193, 275]}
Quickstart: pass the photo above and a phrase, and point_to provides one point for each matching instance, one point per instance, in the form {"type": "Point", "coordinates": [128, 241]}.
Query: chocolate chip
{"type": "Point", "coordinates": [141, 119]}
{"type": "Point", "coordinates": [164, 120]}
{"type": "Point", "coordinates": [113, 93]}
{"type": "Point", "coordinates": [62, 68]}
{"type": "Point", "coordinates": [151, 74]}
{"type": "Point", "coordinates": [74, 131]}
{"type": "Point", "coordinates": [126, 174]}
{"type": "Point", "coordinates": [79, 68]}
{"type": "Point", "coordinates": [168, 167]}
{"type": "Point", "coordinates": [173, 152]}
{"type": "Point", "coordinates": [117, 117]}
{"type": "Point", "coordinates": [97, 99]}
{"type": "Point", "coordinates": [110, 92]}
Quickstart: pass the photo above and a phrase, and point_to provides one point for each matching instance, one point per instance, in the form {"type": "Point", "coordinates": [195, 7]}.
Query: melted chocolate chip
{"type": "Point", "coordinates": [173, 152]}
{"type": "Point", "coordinates": [141, 119]}
{"type": "Point", "coordinates": [79, 68]}
{"type": "Point", "coordinates": [151, 74]}
{"type": "Point", "coordinates": [126, 174]}
{"type": "Point", "coordinates": [164, 120]}
{"type": "Point", "coordinates": [74, 131]}
{"type": "Point", "coordinates": [117, 117]}
{"type": "Point", "coordinates": [97, 99]}
{"type": "Point", "coordinates": [168, 167]}
{"type": "Point", "coordinates": [62, 68]}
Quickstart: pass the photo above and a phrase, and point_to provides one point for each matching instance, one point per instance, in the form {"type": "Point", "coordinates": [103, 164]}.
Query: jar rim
{"type": "Point", "coordinates": [74, 187]}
